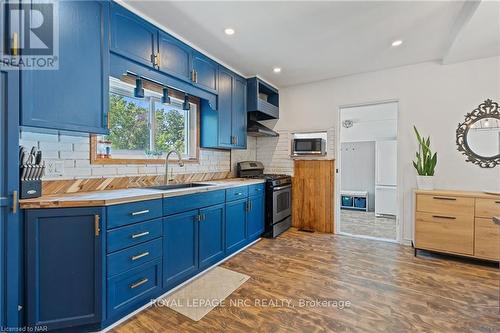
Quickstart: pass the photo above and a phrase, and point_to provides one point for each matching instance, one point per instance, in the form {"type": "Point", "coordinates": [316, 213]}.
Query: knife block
{"type": "Point", "coordinates": [31, 189]}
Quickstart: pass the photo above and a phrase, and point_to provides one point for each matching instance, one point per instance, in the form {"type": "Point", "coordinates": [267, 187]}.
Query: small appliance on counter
{"type": "Point", "coordinates": [278, 197]}
{"type": "Point", "coordinates": [31, 170]}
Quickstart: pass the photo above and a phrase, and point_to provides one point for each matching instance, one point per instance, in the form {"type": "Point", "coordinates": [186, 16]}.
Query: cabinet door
{"type": "Point", "coordinates": [239, 115]}
{"type": "Point", "coordinates": [75, 96]}
{"type": "Point", "coordinates": [132, 37]}
{"type": "Point", "coordinates": [224, 109]}
{"type": "Point", "coordinates": [235, 225]}
{"type": "Point", "coordinates": [64, 268]}
{"type": "Point", "coordinates": [211, 242]}
{"type": "Point", "coordinates": [175, 57]}
{"type": "Point", "coordinates": [255, 217]}
{"type": "Point", "coordinates": [180, 248]}
{"type": "Point", "coordinates": [206, 72]}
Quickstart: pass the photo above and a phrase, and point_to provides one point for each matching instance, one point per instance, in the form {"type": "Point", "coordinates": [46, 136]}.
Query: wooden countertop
{"type": "Point", "coordinates": [455, 193]}
{"type": "Point", "coordinates": [114, 197]}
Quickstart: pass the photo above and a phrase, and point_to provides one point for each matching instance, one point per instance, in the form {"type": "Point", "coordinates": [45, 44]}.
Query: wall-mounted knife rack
{"type": "Point", "coordinates": [31, 171]}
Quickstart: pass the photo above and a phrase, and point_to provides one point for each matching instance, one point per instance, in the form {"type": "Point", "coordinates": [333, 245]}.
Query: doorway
{"type": "Point", "coordinates": [367, 191]}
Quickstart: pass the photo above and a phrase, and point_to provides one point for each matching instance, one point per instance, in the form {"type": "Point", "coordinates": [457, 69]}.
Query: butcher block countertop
{"type": "Point", "coordinates": [115, 197]}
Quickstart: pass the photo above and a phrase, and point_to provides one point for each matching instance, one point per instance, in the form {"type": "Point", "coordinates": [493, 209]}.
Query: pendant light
{"type": "Point", "coordinates": [139, 89]}
{"type": "Point", "coordinates": [165, 99]}
{"type": "Point", "coordinates": [185, 105]}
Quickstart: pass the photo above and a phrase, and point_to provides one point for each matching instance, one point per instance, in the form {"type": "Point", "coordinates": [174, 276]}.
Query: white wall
{"type": "Point", "coordinates": [432, 96]}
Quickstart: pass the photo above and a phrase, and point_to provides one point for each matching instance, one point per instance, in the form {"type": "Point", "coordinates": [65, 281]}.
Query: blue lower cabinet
{"type": "Point", "coordinates": [124, 260]}
{"type": "Point", "coordinates": [236, 225]}
{"type": "Point", "coordinates": [123, 237]}
{"type": "Point", "coordinates": [180, 248]}
{"type": "Point", "coordinates": [255, 217]}
{"type": "Point", "coordinates": [130, 290]}
{"type": "Point", "coordinates": [211, 235]}
{"type": "Point", "coordinates": [65, 251]}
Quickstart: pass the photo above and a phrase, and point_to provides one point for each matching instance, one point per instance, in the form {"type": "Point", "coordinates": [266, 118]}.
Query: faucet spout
{"type": "Point", "coordinates": [181, 164]}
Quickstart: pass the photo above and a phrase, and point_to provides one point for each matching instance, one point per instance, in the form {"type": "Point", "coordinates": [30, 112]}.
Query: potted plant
{"type": "Point", "coordinates": [425, 163]}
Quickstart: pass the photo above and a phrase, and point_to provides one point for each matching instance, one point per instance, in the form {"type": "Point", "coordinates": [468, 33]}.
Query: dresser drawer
{"type": "Point", "coordinates": [236, 193]}
{"type": "Point", "coordinates": [132, 289]}
{"type": "Point", "coordinates": [445, 205]}
{"type": "Point", "coordinates": [133, 212]}
{"type": "Point", "coordinates": [487, 207]}
{"type": "Point", "coordinates": [256, 189]}
{"type": "Point", "coordinates": [487, 239]}
{"type": "Point", "coordinates": [184, 203]}
{"type": "Point", "coordinates": [134, 256]}
{"type": "Point", "coordinates": [124, 237]}
{"type": "Point", "coordinates": [444, 232]}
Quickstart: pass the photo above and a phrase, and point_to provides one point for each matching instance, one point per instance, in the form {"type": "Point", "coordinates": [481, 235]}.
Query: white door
{"type": "Point", "coordinates": [386, 163]}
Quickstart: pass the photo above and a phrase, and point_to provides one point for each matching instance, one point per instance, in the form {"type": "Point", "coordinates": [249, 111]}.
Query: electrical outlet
{"type": "Point", "coordinates": [54, 168]}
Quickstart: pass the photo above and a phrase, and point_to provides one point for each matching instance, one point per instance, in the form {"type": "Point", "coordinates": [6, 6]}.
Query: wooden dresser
{"type": "Point", "coordinates": [458, 222]}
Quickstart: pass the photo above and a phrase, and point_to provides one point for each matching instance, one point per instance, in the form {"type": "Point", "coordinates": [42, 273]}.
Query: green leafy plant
{"type": "Point", "coordinates": [426, 162]}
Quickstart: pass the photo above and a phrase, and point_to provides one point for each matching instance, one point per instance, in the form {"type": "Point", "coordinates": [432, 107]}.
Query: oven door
{"type": "Point", "coordinates": [282, 202]}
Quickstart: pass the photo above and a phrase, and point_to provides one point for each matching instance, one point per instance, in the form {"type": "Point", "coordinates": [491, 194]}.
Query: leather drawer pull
{"type": "Point", "coordinates": [138, 283]}
{"type": "Point", "coordinates": [142, 234]}
{"type": "Point", "coordinates": [497, 202]}
{"type": "Point", "coordinates": [445, 198]}
{"type": "Point", "coordinates": [139, 256]}
{"type": "Point", "coordinates": [140, 212]}
{"type": "Point", "coordinates": [444, 217]}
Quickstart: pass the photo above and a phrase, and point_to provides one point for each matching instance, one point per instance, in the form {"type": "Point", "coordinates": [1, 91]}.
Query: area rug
{"type": "Point", "coordinates": [200, 296]}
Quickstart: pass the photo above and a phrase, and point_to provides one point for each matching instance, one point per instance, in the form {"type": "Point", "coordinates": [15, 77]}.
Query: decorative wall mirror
{"type": "Point", "coordinates": [478, 137]}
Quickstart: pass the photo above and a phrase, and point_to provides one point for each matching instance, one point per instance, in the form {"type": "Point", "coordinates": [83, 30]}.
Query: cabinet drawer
{"type": "Point", "coordinates": [129, 290]}
{"type": "Point", "coordinates": [184, 203]}
{"type": "Point", "coordinates": [487, 239]}
{"type": "Point", "coordinates": [487, 208]}
{"type": "Point", "coordinates": [134, 256]}
{"type": "Point", "coordinates": [444, 232]}
{"type": "Point", "coordinates": [256, 189]}
{"type": "Point", "coordinates": [124, 237]}
{"type": "Point", "coordinates": [134, 212]}
{"type": "Point", "coordinates": [445, 205]}
{"type": "Point", "coordinates": [236, 193]}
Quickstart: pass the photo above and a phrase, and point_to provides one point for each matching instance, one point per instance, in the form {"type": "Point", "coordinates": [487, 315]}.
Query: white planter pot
{"type": "Point", "coordinates": [425, 182]}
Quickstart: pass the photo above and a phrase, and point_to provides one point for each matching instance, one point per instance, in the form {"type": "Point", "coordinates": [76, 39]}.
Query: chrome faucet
{"type": "Point", "coordinates": [181, 164]}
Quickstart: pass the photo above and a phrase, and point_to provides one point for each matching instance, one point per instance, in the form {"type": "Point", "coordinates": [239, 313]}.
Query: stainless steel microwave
{"type": "Point", "coordinates": [308, 146]}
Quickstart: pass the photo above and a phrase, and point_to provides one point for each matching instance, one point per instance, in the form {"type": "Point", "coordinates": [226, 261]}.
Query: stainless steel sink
{"type": "Point", "coordinates": [179, 186]}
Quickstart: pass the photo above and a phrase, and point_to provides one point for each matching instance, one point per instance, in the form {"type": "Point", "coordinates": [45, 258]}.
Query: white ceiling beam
{"type": "Point", "coordinates": [468, 9]}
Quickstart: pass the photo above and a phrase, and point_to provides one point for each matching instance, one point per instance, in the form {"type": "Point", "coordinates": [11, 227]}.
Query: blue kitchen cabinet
{"type": "Point", "coordinates": [180, 247]}
{"type": "Point", "coordinates": [65, 256]}
{"type": "Point", "coordinates": [255, 217]}
{"type": "Point", "coordinates": [75, 96]}
{"type": "Point", "coordinates": [239, 112]}
{"type": "Point", "coordinates": [175, 57]}
{"type": "Point", "coordinates": [211, 235]}
{"type": "Point", "coordinates": [132, 37]}
{"type": "Point", "coordinates": [224, 110]}
{"type": "Point", "coordinates": [236, 221]}
{"type": "Point", "coordinates": [205, 72]}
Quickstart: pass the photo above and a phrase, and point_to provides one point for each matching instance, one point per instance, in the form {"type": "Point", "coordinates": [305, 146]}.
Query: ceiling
{"type": "Point", "coordinates": [313, 41]}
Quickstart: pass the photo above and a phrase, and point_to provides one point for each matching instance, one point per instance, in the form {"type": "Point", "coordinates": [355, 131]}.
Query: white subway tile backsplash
{"type": "Point", "coordinates": [73, 155]}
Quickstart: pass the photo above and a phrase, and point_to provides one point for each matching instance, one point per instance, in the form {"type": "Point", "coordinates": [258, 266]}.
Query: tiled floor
{"type": "Point", "coordinates": [367, 224]}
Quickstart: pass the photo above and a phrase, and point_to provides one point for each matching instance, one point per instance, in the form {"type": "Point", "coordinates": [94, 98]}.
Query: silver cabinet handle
{"type": "Point", "coordinates": [139, 256]}
{"type": "Point", "coordinates": [138, 283]}
{"type": "Point", "coordinates": [444, 217]}
{"type": "Point", "coordinates": [239, 193]}
{"type": "Point", "coordinates": [140, 212]}
{"type": "Point", "coordinates": [142, 234]}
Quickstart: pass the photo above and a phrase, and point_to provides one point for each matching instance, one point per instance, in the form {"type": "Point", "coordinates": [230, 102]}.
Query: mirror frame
{"type": "Point", "coordinates": [487, 109]}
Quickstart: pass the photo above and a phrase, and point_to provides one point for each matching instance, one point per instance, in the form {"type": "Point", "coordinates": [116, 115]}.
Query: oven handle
{"type": "Point", "coordinates": [279, 188]}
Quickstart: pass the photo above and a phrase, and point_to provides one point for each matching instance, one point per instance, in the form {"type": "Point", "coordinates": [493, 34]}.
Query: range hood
{"type": "Point", "coordinates": [255, 128]}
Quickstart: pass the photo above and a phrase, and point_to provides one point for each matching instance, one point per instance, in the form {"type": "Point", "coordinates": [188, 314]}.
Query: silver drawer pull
{"type": "Point", "coordinates": [142, 234]}
{"type": "Point", "coordinates": [445, 198]}
{"type": "Point", "coordinates": [139, 256]}
{"type": "Point", "coordinates": [140, 212]}
{"type": "Point", "coordinates": [239, 193]}
{"type": "Point", "coordinates": [444, 217]}
{"type": "Point", "coordinates": [138, 283]}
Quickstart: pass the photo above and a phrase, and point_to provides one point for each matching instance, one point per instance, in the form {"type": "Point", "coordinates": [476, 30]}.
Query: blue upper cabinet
{"type": "Point", "coordinates": [239, 114]}
{"type": "Point", "coordinates": [74, 97]}
{"type": "Point", "coordinates": [133, 37]}
{"type": "Point", "coordinates": [224, 137]}
{"type": "Point", "coordinates": [205, 72]}
{"type": "Point", "coordinates": [174, 57]}
{"type": "Point", "coordinates": [65, 252]}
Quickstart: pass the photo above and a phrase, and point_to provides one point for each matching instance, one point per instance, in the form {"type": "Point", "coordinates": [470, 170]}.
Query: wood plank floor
{"type": "Point", "coordinates": [389, 291]}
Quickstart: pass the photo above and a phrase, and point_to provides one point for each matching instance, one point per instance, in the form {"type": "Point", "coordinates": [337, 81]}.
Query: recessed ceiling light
{"type": "Point", "coordinates": [229, 31]}
{"type": "Point", "coordinates": [397, 42]}
{"type": "Point", "coordinates": [277, 70]}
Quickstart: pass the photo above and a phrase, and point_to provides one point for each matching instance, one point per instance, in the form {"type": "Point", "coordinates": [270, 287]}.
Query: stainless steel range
{"type": "Point", "coordinates": [278, 197]}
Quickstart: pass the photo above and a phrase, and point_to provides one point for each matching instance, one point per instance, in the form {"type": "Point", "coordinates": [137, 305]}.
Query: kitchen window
{"type": "Point", "coordinates": [143, 130]}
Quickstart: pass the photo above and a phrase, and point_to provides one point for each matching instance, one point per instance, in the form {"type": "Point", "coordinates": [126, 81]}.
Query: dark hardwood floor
{"type": "Point", "coordinates": [389, 290]}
